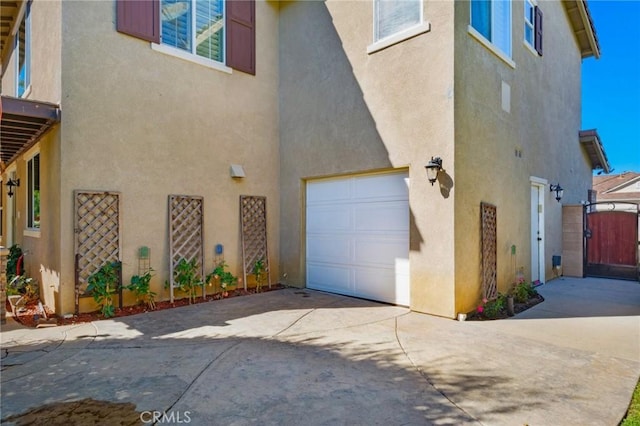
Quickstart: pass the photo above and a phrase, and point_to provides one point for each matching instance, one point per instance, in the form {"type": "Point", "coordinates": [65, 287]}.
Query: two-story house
{"type": "Point", "coordinates": [332, 109]}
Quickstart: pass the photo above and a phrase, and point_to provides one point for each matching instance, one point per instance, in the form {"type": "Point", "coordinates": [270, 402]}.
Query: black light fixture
{"type": "Point", "coordinates": [433, 167]}
{"type": "Point", "coordinates": [11, 184]}
{"type": "Point", "coordinates": [558, 190]}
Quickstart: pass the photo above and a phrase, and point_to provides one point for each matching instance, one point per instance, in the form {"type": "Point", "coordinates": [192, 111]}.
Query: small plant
{"type": "Point", "coordinates": [103, 285]}
{"type": "Point", "coordinates": [259, 272]}
{"type": "Point", "coordinates": [186, 277]}
{"type": "Point", "coordinates": [25, 287]}
{"type": "Point", "coordinates": [226, 278]}
{"type": "Point", "coordinates": [13, 260]}
{"type": "Point", "coordinates": [523, 291]}
{"type": "Point", "coordinates": [494, 308]}
{"type": "Point", "coordinates": [141, 288]}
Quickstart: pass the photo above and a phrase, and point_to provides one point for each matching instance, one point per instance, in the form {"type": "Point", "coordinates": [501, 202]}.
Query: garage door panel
{"type": "Point", "coordinates": [379, 253]}
{"type": "Point", "coordinates": [331, 249]}
{"type": "Point", "coordinates": [358, 237]}
{"type": "Point", "coordinates": [333, 278]}
{"type": "Point", "coordinates": [329, 190]}
{"type": "Point", "coordinates": [380, 187]}
{"type": "Point", "coordinates": [372, 283]}
{"type": "Point", "coordinates": [382, 217]}
{"type": "Point", "coordinates": [329, 219]}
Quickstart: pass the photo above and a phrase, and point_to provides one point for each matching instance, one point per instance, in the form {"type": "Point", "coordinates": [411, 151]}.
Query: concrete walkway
{"type": "Point", "coordinates": [294, 357]}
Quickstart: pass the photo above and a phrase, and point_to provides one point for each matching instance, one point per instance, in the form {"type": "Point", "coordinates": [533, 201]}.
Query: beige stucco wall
{"type": "Point", "coordinates": [343, 111]}
{"type": "Point", "coordinates": [543, 124]}
{"type": "Point", "coordinates": [42, 258]}
{"type": "Point", "coordinates": [146, 124]}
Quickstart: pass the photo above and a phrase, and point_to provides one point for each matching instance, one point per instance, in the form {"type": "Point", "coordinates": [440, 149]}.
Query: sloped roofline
{"type": "Point", "coordinates": [590, 140]}
{"type": "Point", "coordinates": [583, 27]}
{"type": "Point", "coordinates": [623, 184]}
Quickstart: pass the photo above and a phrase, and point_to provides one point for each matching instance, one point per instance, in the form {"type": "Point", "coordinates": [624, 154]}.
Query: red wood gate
{"type": "Point", "coordinates": [611, 240]}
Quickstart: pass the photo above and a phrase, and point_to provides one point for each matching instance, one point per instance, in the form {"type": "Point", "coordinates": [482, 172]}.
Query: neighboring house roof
{"type": "Point", "coordinates": [22, 123]}
{"type": "Point", "coordinates": [619, 187]}
{"type": "Point", "coordinates": [590, 141]}
{"type": "Point", "coordinates": [583, 27]}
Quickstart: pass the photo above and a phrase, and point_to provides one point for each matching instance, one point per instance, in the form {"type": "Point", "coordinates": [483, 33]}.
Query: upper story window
{"type": "Point", "coordinates": [23, 49]}
{"type": "Point", "coordinates": [195, 26]}
{"type": "Point", "coordinates": [395, 21]}
{"type": "Point", "coordinates": [33, 192]}
{"type": "Point", "coordinates": [214, 33]}
{"type": "Point", "coordinates": [529, 22]}
{"type": "Point", "coordinates": [492, 20]}
{"type": "Point", "coordinates": [533, 26]}
{"type": "Point", "coordinates": [394, 16]}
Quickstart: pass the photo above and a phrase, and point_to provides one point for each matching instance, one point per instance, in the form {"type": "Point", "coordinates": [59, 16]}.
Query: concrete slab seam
{"type": "Point", "coordinates": [424, 375]}
{"type": "Point", "coordinates": [195, 379]}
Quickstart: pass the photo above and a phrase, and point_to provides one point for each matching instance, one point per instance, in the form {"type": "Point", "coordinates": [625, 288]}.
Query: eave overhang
{"type": "Point", "coordinates": [590, 141]}
{"type": "Point", "coordinates": [23, 122]}
{"type": "Point", "coordinates": [583, 28]}
{"type": "Point", "coordinates": [10, 12]}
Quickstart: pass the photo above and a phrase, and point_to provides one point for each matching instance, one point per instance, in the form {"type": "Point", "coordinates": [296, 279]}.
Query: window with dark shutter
{"type": "Point", "coordinates": [538, 41]}
{"type": "Point", "coordinates": [139, 18]}
{"type": "Point", "coordinates": [241, 35]}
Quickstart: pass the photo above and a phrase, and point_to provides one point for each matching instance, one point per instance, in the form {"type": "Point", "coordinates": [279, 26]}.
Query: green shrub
{"type": "Point", "coordinates": [140, 286]}
{"type": "Point", "coordinates": [496, 307]}
{"type": "Point", "coordinates": [103, 285]}
{"type": "Point", "coordinates": [523, 292]}
{"type": "Point", "coordinates": [259, 271]}
{"type": "Point", "coordinates": [226, 278]}
{"type": "Point", "coordinates": [185, 275]}
{"type": "Point", "coordinates": [12, 262]}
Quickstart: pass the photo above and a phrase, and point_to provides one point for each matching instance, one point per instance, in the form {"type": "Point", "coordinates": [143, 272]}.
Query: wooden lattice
{"type": "Point", "coordinates": [186, 234]}
{"type": "Point", "coordinates": [489, 251]}
{"type": "Point", "coordinates": [97, 229]}
{"type": "Point", "coordinates": [253, 221]}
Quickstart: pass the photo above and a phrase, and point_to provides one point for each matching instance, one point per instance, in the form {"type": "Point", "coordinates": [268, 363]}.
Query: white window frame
{"type": "Point", "coordinates": [31, 230]}
{"type": "Point", "coordinates": [530, 24]}
{"type": "Point", "coordinates": [420, 28]}
{"type": "Point", "coordinates": [24, 15]}
{"type": "Point", "coordinates": [191, 56]}
{"type": "Point", "coordinates": [494, 48]}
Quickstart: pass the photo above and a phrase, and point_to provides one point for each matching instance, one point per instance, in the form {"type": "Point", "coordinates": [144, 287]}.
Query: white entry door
{"type": "Point", "coordinates": [357, 236]}
{"type": "Point", "coordinates": [537, 232]}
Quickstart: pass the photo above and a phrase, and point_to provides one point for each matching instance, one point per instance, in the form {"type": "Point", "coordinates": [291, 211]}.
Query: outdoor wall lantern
{"type": "Point", "coordinates": [11, 184]}
{"type": "Point", "coordinates": [433, 167]}
{"type": "Point", "coordinates": [558, 190]}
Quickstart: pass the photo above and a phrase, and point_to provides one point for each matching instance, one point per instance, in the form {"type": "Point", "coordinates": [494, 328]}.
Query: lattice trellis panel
{"type": "Point", "coordinates": [488, 215]}
{"type": "Point", "coordinates": [97, 229]}
{"type": "Point", "coordinates": [253, 222]}
{"type": "Point", "coordinates": [186, 234]}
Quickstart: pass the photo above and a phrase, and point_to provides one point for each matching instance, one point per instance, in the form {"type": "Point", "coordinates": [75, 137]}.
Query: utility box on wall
{"type": "Point", "coordinates": [572, 241]}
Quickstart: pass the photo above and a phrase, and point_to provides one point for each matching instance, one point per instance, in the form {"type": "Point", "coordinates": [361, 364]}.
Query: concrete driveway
{"type": "Point", "coordinates": [294, 357]}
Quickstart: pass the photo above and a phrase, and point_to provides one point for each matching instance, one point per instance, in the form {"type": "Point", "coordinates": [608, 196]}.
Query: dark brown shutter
{"type": "Point", "coordinates": [241, 35]}
{"type": "Point", "coordinates": [139, 18]}
{"type": "Point", "coordinates": [538, 23]}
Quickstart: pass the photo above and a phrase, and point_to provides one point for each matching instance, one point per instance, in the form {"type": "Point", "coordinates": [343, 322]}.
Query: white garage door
{"type": "Point", "coordinates": [358, 236]}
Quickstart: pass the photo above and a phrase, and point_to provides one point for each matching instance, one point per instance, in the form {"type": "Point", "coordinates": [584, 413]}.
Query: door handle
{"type": "Point", "coordinates": [539, 239]}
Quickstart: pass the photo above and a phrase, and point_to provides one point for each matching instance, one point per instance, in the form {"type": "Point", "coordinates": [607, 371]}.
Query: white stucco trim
{"type": "Point", "coordinates": [33, 233]}
{"type": "Point", "coordinates": [28, 156]}
{"type": "Point", "coordinates": [540, 181]}
{"type": "Point", "coordinates": [171, 51]}
{"type": "Point", "coordinates": [531, 49]}
{"type": "Point", "coordinates": [27, 92]}
{"type": "Point", "coordinates": [492, 48]}
{"type": "Point", "coordinates": [416, 30]}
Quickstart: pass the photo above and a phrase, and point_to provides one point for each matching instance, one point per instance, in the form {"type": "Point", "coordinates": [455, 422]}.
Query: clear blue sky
{"type": "Point", "coordinates": [611, 84]}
